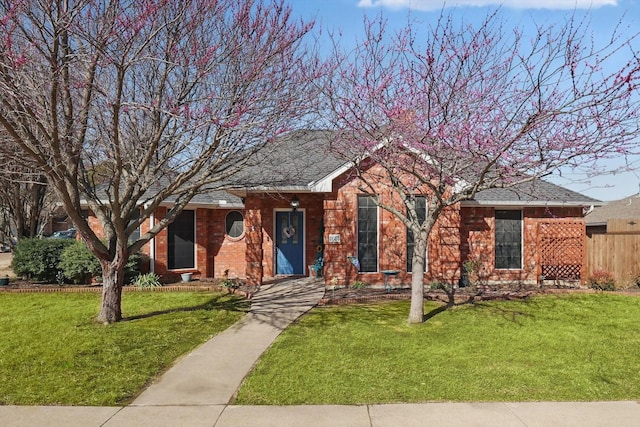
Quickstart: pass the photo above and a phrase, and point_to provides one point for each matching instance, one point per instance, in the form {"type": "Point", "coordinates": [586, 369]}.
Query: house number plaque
{"type": "Point", "coordinates": [334, 238]}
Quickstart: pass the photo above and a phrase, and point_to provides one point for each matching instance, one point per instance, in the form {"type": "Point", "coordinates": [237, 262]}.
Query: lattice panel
{"type": "Point", "coordinates": [561, 249]}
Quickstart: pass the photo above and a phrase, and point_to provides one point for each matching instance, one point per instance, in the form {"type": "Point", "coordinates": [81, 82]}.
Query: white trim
{"type": "Point", "coordinates": [275, 238]}
{"type": "Point", "coordinates": [325, 184]}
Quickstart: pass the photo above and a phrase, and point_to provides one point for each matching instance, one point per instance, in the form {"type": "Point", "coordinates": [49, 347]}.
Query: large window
{"type": "Point", "coordinates": [367, 234]}
{"type": "Point", "coordinates": [509, 239]}
{"type": "Point", "coordinates": [421, 212]}
{"type": "Point", "coordinates": [181, 241]}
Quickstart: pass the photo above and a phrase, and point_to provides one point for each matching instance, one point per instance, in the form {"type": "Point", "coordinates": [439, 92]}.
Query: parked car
{"type": "Point", "coordinates": [66, 234]}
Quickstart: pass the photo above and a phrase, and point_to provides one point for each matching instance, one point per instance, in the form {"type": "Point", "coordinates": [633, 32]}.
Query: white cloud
{"type": "Point", "coordinates": [427, 5]}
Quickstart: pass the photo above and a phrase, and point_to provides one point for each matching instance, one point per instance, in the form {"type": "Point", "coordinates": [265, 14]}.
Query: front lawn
{"type": "Point", "coordinates": [53, 353]}
{"type": "Point", "coordinates": [557, 348]}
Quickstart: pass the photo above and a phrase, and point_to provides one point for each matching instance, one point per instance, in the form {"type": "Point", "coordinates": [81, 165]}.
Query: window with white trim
{"type": "Point", "coordinates": [367, 234]}
{"type": "Point", "coordinates": [234, 224]}
{"type": "Point", "coordinates": [181, 241]}
{"type": "Point", "coordinates": [508, 239]}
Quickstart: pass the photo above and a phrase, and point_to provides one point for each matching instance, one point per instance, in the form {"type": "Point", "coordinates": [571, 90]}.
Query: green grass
{"type": "Point", "coordinates": [53, 353]}
{"type": "Point", "coordinates": [557, 348]}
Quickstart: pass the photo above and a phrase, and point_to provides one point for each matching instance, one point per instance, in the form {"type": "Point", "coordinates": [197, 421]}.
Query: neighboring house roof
{"type": "Point", "coordinates": [627, 208]}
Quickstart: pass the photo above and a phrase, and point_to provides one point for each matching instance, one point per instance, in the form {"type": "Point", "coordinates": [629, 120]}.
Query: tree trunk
{"type": "Point", "coordinates": [112, 282]}
{"type": "Point", "coordinates": [416, 312]}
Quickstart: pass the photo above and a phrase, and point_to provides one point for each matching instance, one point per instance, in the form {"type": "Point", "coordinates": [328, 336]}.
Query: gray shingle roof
{"type": "Point", "coordinates": [535, 192]}
{"type": "Point", "coordinates": [627, 208]}
{"type": "Point", "coordinates": [303, 157]}
{"type": "Point", "coordinates": [294, 160]}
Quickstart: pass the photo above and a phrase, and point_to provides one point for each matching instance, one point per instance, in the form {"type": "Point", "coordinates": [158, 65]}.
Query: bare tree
{"type": "Point", "coordinates": [25, 198]}
{"type": "Point", "coordinates": [111, 97]}
{"type": "Point", "coordinates": [459, 109]}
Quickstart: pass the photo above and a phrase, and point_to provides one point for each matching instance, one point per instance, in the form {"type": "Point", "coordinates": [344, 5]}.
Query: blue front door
{"type": "Point", "coordinates": [289, 243]}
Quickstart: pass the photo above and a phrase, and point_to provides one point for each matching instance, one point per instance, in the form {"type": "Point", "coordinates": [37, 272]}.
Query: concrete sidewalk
{"type": "Point", "coordinates": [535, 414]}
{"type": "Point", "coordinates": [212, 373]}
{"type": "Point", "coordinates": [197, 390]}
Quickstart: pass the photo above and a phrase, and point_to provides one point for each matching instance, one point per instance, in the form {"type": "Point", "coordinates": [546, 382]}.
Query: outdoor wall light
{"type": "Point", "coordinates": [295, 203]}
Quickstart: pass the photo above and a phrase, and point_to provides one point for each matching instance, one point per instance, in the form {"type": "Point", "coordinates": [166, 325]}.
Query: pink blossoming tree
{"type": "Point", "coordinates": [458, 109]}
{"type": "Point", "coordinates": [126, 104]}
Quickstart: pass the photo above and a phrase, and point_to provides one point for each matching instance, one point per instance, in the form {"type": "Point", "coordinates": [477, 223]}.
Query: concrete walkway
{"type": "Point", "coordinates": [197, 390]}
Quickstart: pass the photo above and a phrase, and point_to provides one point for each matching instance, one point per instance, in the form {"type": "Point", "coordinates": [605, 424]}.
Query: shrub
{"type": "Point", "coordinates": [132, 267]}
{"type": "Point", "coordinates": [78, 263]}
{"type": "Point", "coordinates": [359, 284]}
{"type": "Point", "coordinates": [41, 260]}
{"type": "Point", "coordinates": [147, 280]}
{"type": "Point", "coordinates": [228, 283]}
{"type": "Point", "coordinates": [602, 280]}
{"type": "Point", "coordinates": [38, 259]}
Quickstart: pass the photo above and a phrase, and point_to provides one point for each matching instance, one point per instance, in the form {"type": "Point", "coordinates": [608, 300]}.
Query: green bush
{"type": "Point", "coordinates": [148, 280]}
{"type": "Point", "coordinates": [358, 284]}
{"type": "Point", "coordinates": [132, 267]}
{"type": "Point", "coordinates": [38, 259]}
{"type": "Point", "coordinates": [42, 260]}
{"type": "Point", "coordinates": [78, 264]}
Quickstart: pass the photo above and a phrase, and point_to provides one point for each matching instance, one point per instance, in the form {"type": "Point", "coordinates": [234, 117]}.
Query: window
{"type": "Point", "coordinates": [509, 239]}
{"type": "Point", "coordinates": [181, 241]}
{"type": "Point", "coordinates": [234, 224]}
{"type": "Point", "coordinates": [421, 212]}
{"type": "Point", "coordinates": [135, 235]}
{"type": "Point", "coordinates": [367, 234]}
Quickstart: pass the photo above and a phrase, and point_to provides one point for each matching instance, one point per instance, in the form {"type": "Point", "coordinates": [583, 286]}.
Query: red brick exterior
{"type": "Point", "coordinates": [477, 233]}
{"type": "Point", "coordinates": [259, 223]}
{"type": "Point", "coordinates": [215, 252]}
{"type": "Point", "coordinates": [461, 234]}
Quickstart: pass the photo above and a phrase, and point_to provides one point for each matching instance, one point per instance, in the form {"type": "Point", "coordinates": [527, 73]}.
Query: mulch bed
{"type": "Point", "coordinates": [339, 296]}
{"type": "Point", "coordinates": [460, 296]}
{"type": "Point", "coordinates": [24, 286]}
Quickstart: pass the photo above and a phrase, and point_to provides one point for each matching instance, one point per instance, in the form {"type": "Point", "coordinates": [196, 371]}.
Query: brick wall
{"type": "Point", "coordinates": [214, 251]}
{"type": "Point", "coordinates": [226, 253]}
{"type": "Point", "coordinates": [477, 240]}
{"type": "Point", "coordinates": [341, 219]}
{"type": "Point", "coordinates": [460, 234]}
{"type": "Point", "coordinates": [259, 221]}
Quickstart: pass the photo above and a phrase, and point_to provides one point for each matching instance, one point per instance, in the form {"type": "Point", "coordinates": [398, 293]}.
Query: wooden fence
{"type": "Point", "coordinates": [617, 251]}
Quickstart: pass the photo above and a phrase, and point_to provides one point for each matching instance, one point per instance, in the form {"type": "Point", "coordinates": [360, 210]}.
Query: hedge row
{"type": "Point", "coordinates": [62, 261]}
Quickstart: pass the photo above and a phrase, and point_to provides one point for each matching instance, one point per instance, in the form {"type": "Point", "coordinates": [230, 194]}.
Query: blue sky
{"type": "Point", "coordinates": [346, 16]}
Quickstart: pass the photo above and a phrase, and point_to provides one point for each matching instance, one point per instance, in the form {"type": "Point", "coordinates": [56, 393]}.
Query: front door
{"type": "Point", "coordinates": [289, 242]}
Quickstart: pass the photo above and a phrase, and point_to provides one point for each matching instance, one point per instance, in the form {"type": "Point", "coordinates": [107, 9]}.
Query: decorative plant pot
{"type": "Point", "coordinates": [4, 281]}
{"type": "Point", "coordinates": [186, 277]}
